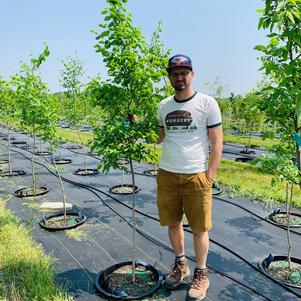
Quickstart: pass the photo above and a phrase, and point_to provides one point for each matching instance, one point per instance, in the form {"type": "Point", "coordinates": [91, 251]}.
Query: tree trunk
{"type": "Point", "coordinates": [8, 150]}
{"type": "Point", "coordinates": [82, 144]}
{"type": "Point", "coordinates": [33, 167]}
{"type": "Point", "coordinates": [288, 228]}
{"type": "Point", "coordinates": [133, 220]}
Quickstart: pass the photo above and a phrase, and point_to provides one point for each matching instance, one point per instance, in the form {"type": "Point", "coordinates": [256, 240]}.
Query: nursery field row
{"type": "Point", "coordinates": [106, 236]}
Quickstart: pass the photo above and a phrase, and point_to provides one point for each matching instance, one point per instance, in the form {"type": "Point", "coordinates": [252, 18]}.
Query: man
{"type": "Point", "coordinates": [189, 122]}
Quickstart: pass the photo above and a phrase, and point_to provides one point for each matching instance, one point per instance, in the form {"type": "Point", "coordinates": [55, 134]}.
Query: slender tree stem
{"type": "Point", "coordinates": [33, 166]}
{"type": "Point", "coordinates": [8, 150]}
{"type": "Point", "coordinates": [133, 220]}
{"type": "Point", "coordinates": [288, 228]}
{"type": "Point", "coordinates": [82, 144]}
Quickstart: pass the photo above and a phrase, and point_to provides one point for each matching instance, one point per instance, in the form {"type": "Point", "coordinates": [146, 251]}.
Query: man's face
{"type": "Point", "coordinates": [181, 78]}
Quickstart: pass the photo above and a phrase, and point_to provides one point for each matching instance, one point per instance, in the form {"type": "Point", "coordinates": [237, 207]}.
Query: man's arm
{"type": "Point", "coordinates": [161, 135]}
{"type": "Point", "coordinates": [215, 135]}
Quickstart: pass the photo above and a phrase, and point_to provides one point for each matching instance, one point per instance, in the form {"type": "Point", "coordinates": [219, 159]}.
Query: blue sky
{"type": "Point", "coordinates": [219, 36]}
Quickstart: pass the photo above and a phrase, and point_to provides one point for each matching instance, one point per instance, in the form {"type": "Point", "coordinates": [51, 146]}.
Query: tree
{"type": "Point", "coordinates": [281, 62]}
{"type": "Point", "coordinates": [75, 103]}
{"type": "Point", "coordinates": [8, 112]}
{"type": "Point", "coordinates": [37, 106]}
{"type": "Point", "coordinates": [281, 101]}
{"type": "Point", "coordinates": [130, 95]}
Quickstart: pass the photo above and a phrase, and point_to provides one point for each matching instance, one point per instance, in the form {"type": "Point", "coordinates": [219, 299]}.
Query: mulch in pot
{"type": "Point", "coordinates": [150, 172]}
{"type": "Point", "coordinates": [122, 161]}
{"type": "Point", "coordinates": [61, 161]}
{"type": "Point", "coordinates": [29, 191]}
{"type": "Point", "coordinates": [56, 222]}
{"type": "Point", "coordinates": [280, 218]}
{"type": "Point", "coordinates": [86, 172]}
{"type": "Point", "coordinates": [116, 281]}
{"type": "Point", "coordinates": [123, 189]}
{"type": "Point", "coordinates": [277, 268]}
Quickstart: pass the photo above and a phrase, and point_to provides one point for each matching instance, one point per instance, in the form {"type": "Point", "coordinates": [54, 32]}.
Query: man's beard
{"type": "Point", "coordinates": [179, 87]}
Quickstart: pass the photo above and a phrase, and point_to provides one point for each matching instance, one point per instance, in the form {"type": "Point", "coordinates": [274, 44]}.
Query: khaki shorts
{"type": "Point", "coordinates": [185, 193]}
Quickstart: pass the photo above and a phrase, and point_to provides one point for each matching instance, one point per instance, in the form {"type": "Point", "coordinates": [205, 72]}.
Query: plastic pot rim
{"type": "Point", "coordinates": [262, 267]}
{"type": "Point", "coordinates": [14, 173]}
{"type": "Point", "coordinates": [45, 218]}
{"type": "Point", "coordinates": [95, 172]}
{"type": "Point", "coordinates": [124, 185]}
{"type": "Point", "coordinates": [270, 218]}
{"type": "Point", "coordinates": [104, 273]}
{"type": "Point", "coordinates": [30, 195]}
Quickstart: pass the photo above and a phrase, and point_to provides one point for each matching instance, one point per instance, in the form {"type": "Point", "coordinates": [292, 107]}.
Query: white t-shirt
{"type": "Point", "coordinates": [186, 123]}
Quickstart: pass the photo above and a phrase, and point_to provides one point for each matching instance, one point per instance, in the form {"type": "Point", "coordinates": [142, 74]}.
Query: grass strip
{"type": "Point", "coordinates": [72, 136]}
{"type": "Point", "coordinates": [25, 271]}
{"type": "Point", "coordinates": [245, 140]}
{"type": "Point", "coordinates": [246, 180]}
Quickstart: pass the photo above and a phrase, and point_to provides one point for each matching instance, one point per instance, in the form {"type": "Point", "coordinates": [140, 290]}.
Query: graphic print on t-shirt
{"type": "Point", "coordinates": [179, 120]}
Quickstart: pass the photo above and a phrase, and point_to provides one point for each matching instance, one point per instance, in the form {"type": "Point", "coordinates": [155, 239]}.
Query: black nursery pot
{"type": "Point", "coordinates": [11, 139]}
{"type": "Point", "coordinates": [122, 161]}
{"type": "Point", "coordinates": [78, 215]}
{"type": "Point", "coordinates": [272, 219]}
{"type": "Point", "coordinates": [19, 142]}
{"type": "Point", "coordinates": [243, 159]}
{"type": "Point", "coordinates": [21, 193]}
{"type": "Point", "coordinates": [86, 172]}
{"type": "Point", "coordinates": [61, 161]}
{"type": "Point", "coordinates": [14, 173]}
{"type": "Point", "coordinates": [247, 152]}
{"type": "Point", "coordinates": [216, 190]}
{"type": "Point", "coordinates": [103, 287]}
{"type": "Point", "coordinates": [43, 153]}
{"type": "Point", "coordinates": [92, 154]}
{"type": "Point", "coordinates": [112, 189]}
{"type": "Point", "coordinates": [264, 265]}
{"type": "Point", "coordinates": [150, 172]}
{"type": "Point", "coordinates": [74, 147]}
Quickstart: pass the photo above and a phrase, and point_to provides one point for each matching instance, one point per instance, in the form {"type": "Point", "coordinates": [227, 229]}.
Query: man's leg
{"type": "Point", "coordinates": [176, 237]}
{"type": "Point", "coordinates": [200, 282]}
{"type": "Point", "coordinates": [180, 269]}
{"type": "Point", "coordinates": [201, 247]}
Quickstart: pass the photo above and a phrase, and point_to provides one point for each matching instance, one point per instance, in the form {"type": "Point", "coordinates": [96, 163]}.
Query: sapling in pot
{"type": "Point", "coordinates": [128, 97]}
{"type": "Point", "coordinates": [75, 100]}
{"type": "Point", "coordinates": [36, 108]}
{"type": "Point", "coordinates": [8, 113]}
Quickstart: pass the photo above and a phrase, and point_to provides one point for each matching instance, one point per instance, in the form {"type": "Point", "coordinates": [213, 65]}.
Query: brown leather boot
{"type": "Point", "coordinates": [178, 273]}
{"type": "Point", "coordinates": [199, 286]}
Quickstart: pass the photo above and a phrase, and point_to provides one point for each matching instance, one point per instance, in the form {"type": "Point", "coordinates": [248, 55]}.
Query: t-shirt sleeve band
{"type": "Point", "coordinates": [214, 125]}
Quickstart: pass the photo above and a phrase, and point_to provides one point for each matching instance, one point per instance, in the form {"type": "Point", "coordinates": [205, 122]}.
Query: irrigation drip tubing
{"type": "Point", "coordinates": [93, 190]}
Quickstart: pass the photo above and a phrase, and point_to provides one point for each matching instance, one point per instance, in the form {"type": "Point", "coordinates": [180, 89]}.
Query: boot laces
{"type": "Point", "coordinates": [199, 279]}
{"type": "Point", "coordinates": [176, 269]}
